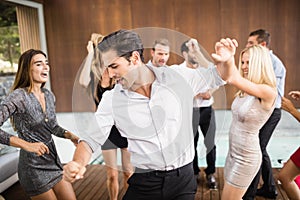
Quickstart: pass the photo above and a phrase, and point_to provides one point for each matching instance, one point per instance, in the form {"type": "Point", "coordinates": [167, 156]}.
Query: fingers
{"type": "Point", "coordinates": [193, 45]}
{"type": "Point", "coordinates": [73, 171]}
{"type": "Point", "coordinates": [229, 42]}
{"type": "Point", "coordinates": [41, 148]}
{"type": "Point", "coordinates": [295, 94]}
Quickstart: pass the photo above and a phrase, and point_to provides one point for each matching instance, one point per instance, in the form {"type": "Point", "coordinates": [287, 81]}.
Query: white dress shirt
{"type": "Point", "coordinates": [158, 129]}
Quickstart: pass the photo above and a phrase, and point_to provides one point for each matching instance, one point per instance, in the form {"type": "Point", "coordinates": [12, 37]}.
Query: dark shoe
{"type": "Point", "coordinates": [267, 194]}
{"type": "Point", "coordinates": [211, 181]}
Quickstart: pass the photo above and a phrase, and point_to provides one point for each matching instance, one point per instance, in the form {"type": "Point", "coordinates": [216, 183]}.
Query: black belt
{"type": "Point", "coordinates": [163, 173]}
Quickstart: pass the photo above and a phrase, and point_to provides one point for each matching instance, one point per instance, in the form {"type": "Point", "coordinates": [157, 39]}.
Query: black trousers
{"type": "Point", "coordinates": [265, 134]}
{"type": "Point", "coordinates": [178, 184]}
{"type": "Point", "coordinates": [205, 118]}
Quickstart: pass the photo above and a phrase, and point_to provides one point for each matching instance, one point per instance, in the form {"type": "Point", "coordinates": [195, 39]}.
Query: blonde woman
{"type": "Point", "coordinates": [251, 108]}
{"type": "Point", "coordinates": [98, 82]}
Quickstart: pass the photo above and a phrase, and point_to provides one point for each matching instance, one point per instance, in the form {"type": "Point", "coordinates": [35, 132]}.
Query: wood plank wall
{"type": "Point", "coordinates": [69, 24]}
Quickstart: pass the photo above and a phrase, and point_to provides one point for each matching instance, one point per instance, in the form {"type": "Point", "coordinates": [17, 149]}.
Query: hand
{"type": "Point", "coordinates": [287, 105]}
{"type": "Point", "coordinates": [72, 137]}
{"type": "Point", "coordinates": [295, 95]}
{"type": "Point", "coordinates": [90, 47]}
{"type": "Point", "coordinates": [193, 45]}
{"type": "Point", "coordinates": [225, 49]}
{"type": "Point", "coordinates": [37, 147]}
{"type": "Point", "coordinates": [73, 171]}
{"type": "Point", "coordinates": [105, 79]}
{"type": "Point", "coordinates": [204, 95]}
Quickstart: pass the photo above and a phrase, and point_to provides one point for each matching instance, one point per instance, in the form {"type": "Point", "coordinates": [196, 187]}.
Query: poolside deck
{"type": "Point", "coordinates": [93, 187]}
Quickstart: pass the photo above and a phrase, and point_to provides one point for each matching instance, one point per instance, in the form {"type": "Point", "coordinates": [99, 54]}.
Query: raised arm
{"type": "Point", "coordinates": [224, 57]}
{"type": "Point", "coordinates": [194, 48]}
{"type": "Point", "coordinates": [84, 78]}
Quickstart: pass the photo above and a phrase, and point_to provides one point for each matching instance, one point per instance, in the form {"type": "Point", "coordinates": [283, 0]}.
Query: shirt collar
{"type": "Point", "coordinates": [159, 73]}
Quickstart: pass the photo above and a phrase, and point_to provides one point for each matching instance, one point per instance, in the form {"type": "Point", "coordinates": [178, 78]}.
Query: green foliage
{"type": "Point", "coordinates": [9, 34]}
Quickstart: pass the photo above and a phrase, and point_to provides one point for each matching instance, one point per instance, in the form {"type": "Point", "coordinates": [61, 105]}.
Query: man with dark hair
{"type": "Point", "coordinates": [268, 190]}
{"type": "Point", "coordinates": [151, 107]}
{"type": "Point", "coordinates": [203, 116]}
{"type": "Point", "coordinates": [160, 53]}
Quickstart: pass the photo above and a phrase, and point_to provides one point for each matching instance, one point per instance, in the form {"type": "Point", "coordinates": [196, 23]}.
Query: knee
{"type": "Point", "coordinates": [112, 175]}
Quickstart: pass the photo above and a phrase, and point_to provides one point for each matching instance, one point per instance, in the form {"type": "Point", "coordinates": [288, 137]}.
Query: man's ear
{"type": "Point", "coordinates": [264, 44]}
{"type": "Point", "coordinates": [185, 55]}
{"type": "Point", "coordinates": [152, 52]}
{"type": "Point", "coordinates": [135, 58]}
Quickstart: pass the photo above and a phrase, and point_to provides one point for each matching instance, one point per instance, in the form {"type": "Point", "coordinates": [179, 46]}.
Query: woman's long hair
{"type": "Point", "coordinates": [23, 77]}
{"type": "Point", "coordinates": [260, 68]}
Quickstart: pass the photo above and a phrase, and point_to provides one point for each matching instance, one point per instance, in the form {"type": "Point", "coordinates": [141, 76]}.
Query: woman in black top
{"type": "Point", "coordinates": [97, 85]}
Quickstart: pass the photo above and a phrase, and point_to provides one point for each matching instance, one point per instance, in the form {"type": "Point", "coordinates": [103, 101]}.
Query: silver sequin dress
{"type": "Point", "coordinates": [244, 156]}
{"type": "Point", "coordinates": [37, 174]}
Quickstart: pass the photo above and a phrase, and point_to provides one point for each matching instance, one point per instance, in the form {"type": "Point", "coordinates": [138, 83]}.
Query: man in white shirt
{"type": "Point", "coordinates": [203, 115]}
{"type": "Point", "coordinates": [152, 108]}
{"type": "Point", "coordinates": [160, 53]}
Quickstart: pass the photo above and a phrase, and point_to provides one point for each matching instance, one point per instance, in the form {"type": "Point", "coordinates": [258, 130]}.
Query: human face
{"type": "Point", "coordinates": [39, 69]}
{"type": "Point", "coordinates": [119, 68]}
{"type": "Point", "coordinates": [252, 40]}
{"type": "Point", "coordinates": [245, 64]}
{"type": "Point", "coordinates": [160, 55]}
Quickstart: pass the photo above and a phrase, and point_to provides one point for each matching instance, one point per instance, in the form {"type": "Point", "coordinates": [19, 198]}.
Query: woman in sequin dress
{"type": "Point", "coordinates": [251, 108]}
{"type": "Point", "coordinates": [31, 108]}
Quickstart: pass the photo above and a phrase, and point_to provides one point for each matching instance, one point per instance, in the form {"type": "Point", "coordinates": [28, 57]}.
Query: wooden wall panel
{"type": "Point", "coordinates": [69, 24]}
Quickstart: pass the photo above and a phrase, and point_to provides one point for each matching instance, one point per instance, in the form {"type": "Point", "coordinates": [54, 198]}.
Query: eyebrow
{"type": "Point", "coordinates": [39, 61]}
{"type": "Point", "coordinates": [112, 65]}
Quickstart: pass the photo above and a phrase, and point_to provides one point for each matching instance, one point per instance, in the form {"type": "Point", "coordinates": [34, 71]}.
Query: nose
{"type": "Point", "coordinates": [244, 66]}
{"type": "Point", "coordinates": [46, 65]}
{"type": "Point", "coordinates": [111, 72]}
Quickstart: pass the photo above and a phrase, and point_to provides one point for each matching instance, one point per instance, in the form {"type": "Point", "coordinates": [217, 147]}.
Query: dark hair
{"type": "Point", "coordinates": [184, 48]}
{"type": "Point", "coordinates": [263, 36]}
{"type": "Point", "coordinates": [23, 77]}
{"type": "Point", "coordinates": [124, 42]}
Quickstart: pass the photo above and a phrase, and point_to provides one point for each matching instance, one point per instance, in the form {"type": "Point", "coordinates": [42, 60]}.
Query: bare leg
{"type": "Point", "coordinates": [287, 176]}
{"type": "Point", "coordinates": [126, 166]}
{"type": "Point", "coordinates": [64, 190]}
{"type": "Point", "coordinates": [232, 193]}
{"type": "Point", "coordinates": [110, 159]}
{"type": "Point", "coordinates": [49, 195]}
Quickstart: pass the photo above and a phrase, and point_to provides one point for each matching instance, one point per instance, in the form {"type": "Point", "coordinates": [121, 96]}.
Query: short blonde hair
{"type": "Point", "coordinates": [260, 66]}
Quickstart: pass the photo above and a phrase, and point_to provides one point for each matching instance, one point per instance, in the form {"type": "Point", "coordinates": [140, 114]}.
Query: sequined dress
{"type": "Point", "coordinates": [244, 156]}
{"type": "Point", "coordinates": [37, 174]}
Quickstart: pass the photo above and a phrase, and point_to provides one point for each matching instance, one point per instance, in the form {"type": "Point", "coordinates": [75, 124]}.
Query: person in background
{"type": "Point", "coordinates": [268, 190]}
{"type": "Point", "coordinates": [160, 53]}
{"type": "Point", "coordinates": [152, 108]}
{"type": "Point", "coordinates": [251, 108]}
{"type": "Point", "coordinates": [291, 170]}
{"type": "Point", "coordinates": [97, 85]}
{"type": "Point", "coordinates": [203, 116]}
{"type": "Point", "coordinates": [31, 108]}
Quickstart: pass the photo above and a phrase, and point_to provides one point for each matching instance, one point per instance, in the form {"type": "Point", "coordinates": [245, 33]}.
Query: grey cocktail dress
{"type": "Point", "coordinates": [37, 174]}
{"type": "Point", "coordinates": [244, 156]}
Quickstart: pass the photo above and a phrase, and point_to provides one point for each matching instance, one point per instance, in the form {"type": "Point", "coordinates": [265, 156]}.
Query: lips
{"type": "Point", "coordinates": [44, 74]}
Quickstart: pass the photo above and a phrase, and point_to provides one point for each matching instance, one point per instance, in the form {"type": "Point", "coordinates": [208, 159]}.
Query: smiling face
{"type": "Point", "coordinates": [39, 69]}
{"type": "Point", "coordinates": [245, 64]}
